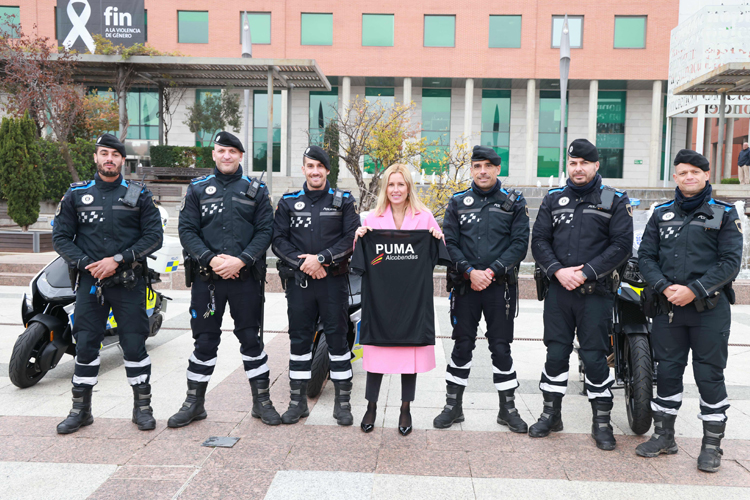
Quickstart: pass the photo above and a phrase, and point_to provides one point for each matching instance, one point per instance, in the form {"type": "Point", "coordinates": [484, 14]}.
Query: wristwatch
{"type": "Point", "coordinates": [321, 259]}
{"type": "Point", "coordinates": [118, 258]}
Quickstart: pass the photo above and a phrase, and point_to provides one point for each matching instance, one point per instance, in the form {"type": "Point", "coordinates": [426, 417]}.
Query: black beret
{"type": "Point", "coordinates": [581, 148]}
{"type": "Point", "coordinates": [112, 142]}
{"type": "Point", "coordinates": [228, 141]}
{"type": "Point", "coordinates": [481, 153]}
{"type": "Point", "coordinates": [692, 157]}
{"type": "Point", "coordinates": [317, 153]}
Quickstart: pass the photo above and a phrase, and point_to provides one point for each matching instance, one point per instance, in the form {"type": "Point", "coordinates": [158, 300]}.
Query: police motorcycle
{"type": "Point", "coordinates": [48, 312]}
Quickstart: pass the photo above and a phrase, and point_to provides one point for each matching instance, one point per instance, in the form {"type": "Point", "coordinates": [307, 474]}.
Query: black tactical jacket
{"type": "Point", "coordinates": [92, 223]}
{"type": "Point", "coordinates": [217, 216]}
{"type": "Point", "coordinates": [571, 231]}
{"type": "Point", "coordinates": [306, 222]}
{"type": "Point", "coordinates": [486, 230]}
{"type": "Point", "coordinates": [702, 249]}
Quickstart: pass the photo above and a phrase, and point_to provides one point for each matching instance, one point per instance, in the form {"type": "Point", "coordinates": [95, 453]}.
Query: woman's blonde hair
{"type": "Point", "coordinates": [413, 203]}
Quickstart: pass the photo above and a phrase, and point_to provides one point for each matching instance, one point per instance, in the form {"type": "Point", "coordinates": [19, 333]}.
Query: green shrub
{"type": "Point", "coordinates": [731, 180]}
{"type": "Point", "coordinates": [55, 173]}
{"type": "Point", "coordinates": [172, 156]}
{"type": "Point", "coordinates": [203, 158]}
{"type": "Point", "coordinates": [20, 175]}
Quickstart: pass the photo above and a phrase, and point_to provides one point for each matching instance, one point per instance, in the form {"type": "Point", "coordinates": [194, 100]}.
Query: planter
{"type": "Point", "coordinates": [29, 241]}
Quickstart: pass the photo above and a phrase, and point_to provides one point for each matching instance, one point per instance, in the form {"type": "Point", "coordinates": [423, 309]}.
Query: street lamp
{"type": "Point", "coordinates": [564, 70]}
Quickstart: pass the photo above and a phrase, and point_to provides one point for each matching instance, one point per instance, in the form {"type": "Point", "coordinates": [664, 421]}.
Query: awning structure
{"type": "Point", "coordinates": [730, 79]}
{"type": "Point", "coordinates": [203, 72]}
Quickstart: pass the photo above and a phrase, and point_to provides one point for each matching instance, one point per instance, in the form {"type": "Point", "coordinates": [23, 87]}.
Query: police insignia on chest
{"type": "Point", "coordinates": [469, 200]}
{"type": "Point", "coordinates": [668, 216]}
{"type": "Point", "coordinates": [299, 205]}
{"type": "Point", "coordinates": [210, 189]}
{"type": "Point", "coordinates": [87, 199]}
{"type": "Point", "coordinates": [563, 201]}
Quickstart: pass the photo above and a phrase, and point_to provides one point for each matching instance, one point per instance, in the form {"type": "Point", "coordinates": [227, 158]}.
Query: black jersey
{"type": "Point", "coordinates": [397, 290]}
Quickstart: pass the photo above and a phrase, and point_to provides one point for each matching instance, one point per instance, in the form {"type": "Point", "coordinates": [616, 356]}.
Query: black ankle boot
{"type": "Point", "coordinates": [662, 441]}
{"type": "Point", "coordinates": [143, 414]}
{"type": "Point", "coordinates": [80, 415]}
{"type": "Point", "coordinates": [262, 405]}
{"type": "Point", "coordinates": [508, 414]}
{"type": "Point", "coordinates": [453, 411]}
{"type": "Point", "coordinates": [298, 405]}
{"type": "Point", "coordinates": [551, 418]}
{"type": "Point", "coordinates": [342, 409]}
{"type": "Point", "coordinates": [601, 428]}
{"type": "Point", "coordinates": [192, 408]}
{"type": "Point", "coordinates": [710, 458]}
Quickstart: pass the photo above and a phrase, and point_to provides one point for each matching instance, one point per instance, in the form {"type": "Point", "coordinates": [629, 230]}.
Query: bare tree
{"type": "Point", "coordinates": [172, 96]}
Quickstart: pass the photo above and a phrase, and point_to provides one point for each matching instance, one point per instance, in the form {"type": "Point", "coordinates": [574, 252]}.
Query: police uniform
{"type": "Point", "coordinates": [322, 223]}
{"type": "Point", "coordinates": [700, 247]}
{"type": "Point", "coordinates": [592, 226]}
{"type": "Point", "coordinates": [226, 214]}
{"type": "Point", "coordinates": [484, 230]}
{"type": "Point", "coordinates": [95, 220]}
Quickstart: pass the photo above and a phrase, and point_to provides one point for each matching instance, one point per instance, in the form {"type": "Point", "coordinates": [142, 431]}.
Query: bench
{"type": "Point", "coordinates": [732, 199]}
{"type": "Point", "coordinates": [159, 191]}
{"type": "Point", "coordinates": [186, 173]}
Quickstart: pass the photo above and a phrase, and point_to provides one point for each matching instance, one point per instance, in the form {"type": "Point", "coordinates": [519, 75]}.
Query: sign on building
{"type": "Point", "coordinates": [120, 21]}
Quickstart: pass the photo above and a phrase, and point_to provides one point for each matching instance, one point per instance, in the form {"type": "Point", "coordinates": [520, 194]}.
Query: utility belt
{"type": "Point", "coordinates": [126, 275]}
{"type": "Point", "coordinates": [603, 286]}
{"type": "Point", "coordinates": [194, 271]}
{"type": "Point", "coordinates": [654, 303]}
{"type": "Point", "coordinates": [542, 283]}
{"type": "Point", "coordinates": [458, 283]}
{"type": "Point", "coordinates": [287, 272]}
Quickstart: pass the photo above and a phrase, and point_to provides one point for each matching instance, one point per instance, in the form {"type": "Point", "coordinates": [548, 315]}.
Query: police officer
{"type": "Point", "coordinates": [105, 229]}
{"type": "Point", "coordinates": [313, 237]}
{"type": "Point", "coordinates": [226, 222]}
{"type": "Point", "coordinates": [487, 234]}
{"type": "Point", "coordinates": [582, 235]}
{"type": "Point", "coordinates": [690, 254]}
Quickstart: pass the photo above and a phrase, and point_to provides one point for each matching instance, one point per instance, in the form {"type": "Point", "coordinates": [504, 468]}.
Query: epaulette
{"type": "Point", "coordinates": [461, 192]}
{"type": "Point", "coordinates": [727, 206]}
{"type": "Point", "coordinates": [344, 193]}
{"type": "Point", "coordinates": [555, 190]}
{"type": "Point", "coordinates": [618, 192]}
{"type": "Point", "coordinates": [201, 179]}
{"type": "Point", "coordinates": [81, 184]}
{"type": "Point", "coordinates": [664, 205]}
{"type": "Point", "coordinates": [293, 195]}
{"type": "Point", "coordinates": [511, 197]}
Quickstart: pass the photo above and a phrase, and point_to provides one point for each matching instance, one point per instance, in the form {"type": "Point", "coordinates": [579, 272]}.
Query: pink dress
{"type": "Point", "coordinates": [376, 359]}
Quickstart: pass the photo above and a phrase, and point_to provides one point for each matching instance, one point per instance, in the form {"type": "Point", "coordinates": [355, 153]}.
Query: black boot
{"type": "Point", "coordinates": [601, 428]}
{"type": "Point", "coordinates": [710, 458]}
{"type": "Point", "coordinates": [453, 410]}
{"type": "Point", "coordinates": [298, 405]}
{"type": "Point", "coordinates": [80, 415]}
{"type": "Point", "coordinates": [342, 409]}
{"type": "Point", "coordinates": [508, 415]}
{"type": "Point", "coordinates": [551, 418]}
{"type": "Point", "coordinates": [262, 405]}
{"type": "Point", "coordinates": [142, 411]}
{"type": "Point", "coordinates": [662, 441]}
{"type": "Point", "coordinates": [192, 408]}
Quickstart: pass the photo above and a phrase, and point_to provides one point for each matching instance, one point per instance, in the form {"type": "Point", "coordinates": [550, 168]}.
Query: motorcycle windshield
{"type": "Point", "coordinates": [53, 283]}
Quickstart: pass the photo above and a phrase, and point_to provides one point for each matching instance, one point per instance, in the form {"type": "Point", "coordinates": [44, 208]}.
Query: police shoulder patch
{"type": "Point", "coordinates": [182, 205]}
{"type": "Point", "coordinates": [629, 208]}
{"type": "Point", "coordinates": [739, 225]}
{"type": "Point", "coordinates": [59, 208]}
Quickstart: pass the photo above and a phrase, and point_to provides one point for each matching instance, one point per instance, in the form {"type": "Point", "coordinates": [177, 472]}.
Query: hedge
{"type": "Point", "coordinates": [730, 180]}
{"type": "Point", "coordinates": [55, 173]}
{"type": "Point", "coordinates": [182, 156]}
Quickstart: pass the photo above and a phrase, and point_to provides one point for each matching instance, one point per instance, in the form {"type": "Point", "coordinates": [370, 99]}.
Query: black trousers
{"type": "Point", "coordinates": [408, 386]}
{"type": "Point", "coordinates": [244, 305]}
{"type": "Point", "coordinates": [569, 313]}
{"type": "Point", "coordinates": [466, 311]}
{"type": "Point", "coordinates": [327, 299]}
{"type": "Point", "coordinates": [89, 324]}
{"type": "Point", "coordinates": [707, 335]}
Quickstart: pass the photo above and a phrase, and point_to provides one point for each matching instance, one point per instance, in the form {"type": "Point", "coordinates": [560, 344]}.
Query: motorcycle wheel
{"type": "Point", "coordinates": [23, 368]}
{"type": "Point", "coordinates": [638, 382]}
{"type": "Point", "coordinates": [320, 365]}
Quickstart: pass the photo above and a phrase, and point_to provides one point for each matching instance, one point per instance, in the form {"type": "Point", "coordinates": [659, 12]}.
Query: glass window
{"type": "Point", "coordinates": [436, 127]}
{"type": "Point", "coordinates": [549, 133]}
{"type": "Point", "coordinates": [192, 26]}
{"type": "Point", "coordinates": [260, 27]}
{"type": "Point", "coordinates": [205, 137]}
{"type": "Point", "coordinates": [505, 32]}
{"type": "Point", "coordinates": [630, 32]}
{"type": "Point", "coordinates": [377, 30]}
{"type": "Point", "coordinates": [5, 18]}
{"type": "Point", "coordinates": [496, 124]}
{"type": "Point", "coordinates": [439, 31]}
{"type": "Point", "coordinates": [610, 132]}
{"type": "Point", "coordinates": [575, 25]}
{"type": "Point", "coordinates": [316, 29]}
{"type": "Point", "coordinates": [323, 106]}
{"type": "Point", "coordinates": [260, 130]}
{"type": "Point", "coordinates": [143, 114]}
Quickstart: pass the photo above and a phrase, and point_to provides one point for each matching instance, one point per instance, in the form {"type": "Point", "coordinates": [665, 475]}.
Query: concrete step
{"type": "Point", "coordinates": [15, 279]}
{"type": "Point", "coordinates": [32, 267]}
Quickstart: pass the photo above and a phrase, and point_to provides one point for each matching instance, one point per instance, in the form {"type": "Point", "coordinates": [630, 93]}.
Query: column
{"type": "Point", "coordinates": [653, 157]}
{"type": "Point", "coordinates": [285, 166]}
{"type": "Point", "coordinates": [530, 144]}
{"type": "Point", "coordinates": [593, 108]}
{"type": "Point", "coordinates": [728, 160]}
{"type": "Point", "coordinates": [707, 140]}
{"type": "Point", "coordinates": [346, 92]}
{"type": "Point", "coordinates": [407, 91]}
{"type": "Point", "coordinates": [269, 134]}
{"type": "Point", "coordinates": [689, 134]}
{"type": "Point", "coordinates": [700, 133]}
{"type": "Point", "coordinates": [468, 108]}
{"type": "Point", "coordinates": [719, 167]}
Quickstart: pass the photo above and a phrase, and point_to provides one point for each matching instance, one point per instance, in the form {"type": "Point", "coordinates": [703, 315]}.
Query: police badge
{"type": "Point", "coordinates": [210, 189]}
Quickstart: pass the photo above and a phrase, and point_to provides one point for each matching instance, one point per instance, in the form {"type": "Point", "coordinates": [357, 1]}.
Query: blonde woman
{"type": "Point", "coordinates": [398, 207]}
